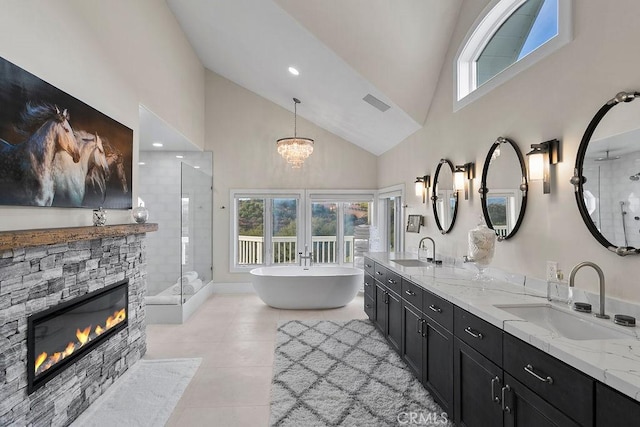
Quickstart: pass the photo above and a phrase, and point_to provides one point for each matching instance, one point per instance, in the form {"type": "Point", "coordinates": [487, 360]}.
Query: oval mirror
{"type": "Point", "coordinates": [607, 175]}
{"type": "Point", "coordinates": [504, 188]}
{"type": "Point", "coordinates": [444, 197]}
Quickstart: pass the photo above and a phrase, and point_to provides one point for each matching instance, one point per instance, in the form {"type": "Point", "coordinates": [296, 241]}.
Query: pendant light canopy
{"type": "Point", "coordinates": [295, 150]}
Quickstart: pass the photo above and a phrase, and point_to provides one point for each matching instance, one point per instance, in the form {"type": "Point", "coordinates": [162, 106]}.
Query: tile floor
{"type": "Point", "coordinates": [234, 335]}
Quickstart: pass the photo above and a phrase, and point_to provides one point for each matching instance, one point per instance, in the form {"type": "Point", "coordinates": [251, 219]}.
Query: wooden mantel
{"type": "Point", "coordinates": [47, 236]}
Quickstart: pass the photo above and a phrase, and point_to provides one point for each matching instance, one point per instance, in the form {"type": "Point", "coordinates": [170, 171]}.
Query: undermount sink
{"type": "Point", "coordinates": [564, 323]}
{"type": "Point", "coordinates": [411, 262]}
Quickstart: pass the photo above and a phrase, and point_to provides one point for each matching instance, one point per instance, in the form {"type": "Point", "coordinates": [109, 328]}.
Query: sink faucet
{"type": "Point", "coordinates": [420, 246]}
{"type": "Point", "coordinates": [572, 277]}
{"type": "Point", "coordinates": [307, 256]}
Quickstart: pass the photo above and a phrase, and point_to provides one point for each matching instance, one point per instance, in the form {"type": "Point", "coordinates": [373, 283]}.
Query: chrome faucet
{"type": "Point", "coordinates": [307, 255]}
{"type": "Point", "coordinates": [420, 246]}
{"type": "Point", "coordinates": [572, 277]}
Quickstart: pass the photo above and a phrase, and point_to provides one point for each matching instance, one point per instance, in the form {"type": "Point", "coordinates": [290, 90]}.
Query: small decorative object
{"type": "Point", "coordinates": [413, 223]}
{"type": "Point", "coordinates": [482, 243]}
{"type": "Point", "coordinates": [99, 217]}
{"type": "Point", "coordinates": [140, 214]}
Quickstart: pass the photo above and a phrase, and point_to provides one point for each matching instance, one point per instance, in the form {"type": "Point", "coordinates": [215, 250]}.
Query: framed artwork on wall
{"type": "Point", "coordinates": [413, 223]}
{"type": "Point", "coordinates": [55, 150]}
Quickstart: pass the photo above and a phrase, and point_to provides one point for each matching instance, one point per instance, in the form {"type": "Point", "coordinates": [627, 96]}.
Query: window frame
{"type": "Point", "coordinates": [485, 26]}
{"type": "Point", "coordinates": [303, 218]}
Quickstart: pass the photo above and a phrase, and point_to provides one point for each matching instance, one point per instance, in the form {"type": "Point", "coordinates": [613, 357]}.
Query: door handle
{"type": "Point", "coordinates": [435, 308]}
{"type": "Point", "coordinates": [505, 408]}
{"type": "Point", "coordinates": [410, 293]}
{"type": "Point", "coordinates": [494, 396]}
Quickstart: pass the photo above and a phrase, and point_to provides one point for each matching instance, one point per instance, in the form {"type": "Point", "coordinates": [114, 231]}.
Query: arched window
{"type": "Point", "coordinates": [508, 37]}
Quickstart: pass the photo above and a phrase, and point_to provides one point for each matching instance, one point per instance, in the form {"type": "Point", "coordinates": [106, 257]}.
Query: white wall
{"type": "Point", "coordinates": [241, 130]}
{"type": "Point", "coordinates": [556, 98]}
{"type": "Point", "coordinates": [112, 55]}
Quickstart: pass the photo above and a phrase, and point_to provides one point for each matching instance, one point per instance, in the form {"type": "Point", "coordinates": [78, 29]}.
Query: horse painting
{"type": "Point", "coordinates": [26, 168]}
{"type": "Point", "coordinates": [99, 181]}
{"type": "Point", "coordinates": [71, 178]}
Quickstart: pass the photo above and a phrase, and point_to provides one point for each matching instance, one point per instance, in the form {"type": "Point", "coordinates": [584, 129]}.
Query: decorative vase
{"type": "Point", "coordinates": [140, 214]}
{"type": "Point", "coordinates": [99, 217]}
{"type": "Point", "coordinates": [482, 243]}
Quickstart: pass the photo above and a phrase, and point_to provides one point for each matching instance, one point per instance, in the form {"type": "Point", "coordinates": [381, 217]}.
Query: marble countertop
{"type": "Point", "coordinates": [615, 362]}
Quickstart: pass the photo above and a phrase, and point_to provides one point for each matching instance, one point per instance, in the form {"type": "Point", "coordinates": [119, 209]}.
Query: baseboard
{"type": "Point", "coordinates": [233, 288]}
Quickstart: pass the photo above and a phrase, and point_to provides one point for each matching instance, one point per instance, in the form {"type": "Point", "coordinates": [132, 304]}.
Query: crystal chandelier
{"type": "Point", "coordinates": [295, 150]}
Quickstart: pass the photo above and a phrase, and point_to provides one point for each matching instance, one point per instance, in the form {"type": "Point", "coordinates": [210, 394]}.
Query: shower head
{"type": "Point", "coordinates": [607, 158]}
{"type": "Point", "coordinates": [635, 177]}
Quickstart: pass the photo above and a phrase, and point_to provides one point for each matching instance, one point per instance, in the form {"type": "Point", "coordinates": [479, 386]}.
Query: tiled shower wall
{"type": "Point", "coordinates": [35, 279]}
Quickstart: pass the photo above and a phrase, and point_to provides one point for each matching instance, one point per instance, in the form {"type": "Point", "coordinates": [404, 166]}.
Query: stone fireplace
{"type": "Point", "coordinates": [44, 271]}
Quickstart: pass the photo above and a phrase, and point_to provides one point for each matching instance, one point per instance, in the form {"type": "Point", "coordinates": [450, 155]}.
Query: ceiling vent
{"type": "Point", "coordinates": [370, 99]}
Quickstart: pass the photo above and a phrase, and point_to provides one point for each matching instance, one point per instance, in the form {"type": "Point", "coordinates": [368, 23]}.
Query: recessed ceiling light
{"type": "Point", "coordinates": [157, 144]}
{"type": "Point", "coordinates": [179, 157]}
{"type": "Point", "coordinates": [294, 71]}
{"type": "Point", "coordinates": [141, 163]}
{"type": "Point", "coordinates": [196, 167]}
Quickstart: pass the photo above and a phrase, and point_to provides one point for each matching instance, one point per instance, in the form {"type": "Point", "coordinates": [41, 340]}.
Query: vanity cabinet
{"type": "Point", "coordinates": [615, 409]}
{"type": "Point", "coordinates": [388, 306]}
{"type": "Point", "coordinates": [427, 346]}
{"type": "Point", "coordinates": [480, 375]}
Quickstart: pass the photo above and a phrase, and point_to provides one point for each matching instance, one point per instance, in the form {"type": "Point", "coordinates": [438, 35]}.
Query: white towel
{"type": "Point", "coordinates": [188, 277]}
{"type": "Point", "coordinates": [187, 289]}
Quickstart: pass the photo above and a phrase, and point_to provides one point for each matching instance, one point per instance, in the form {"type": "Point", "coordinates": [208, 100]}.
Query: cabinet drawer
{"type": "Point", "coordinates": [438, 309]}
{"type": "Point", "coordinates": [380, 273]}
{"type": "Point", "coordinates": [369, 285]}
{"type": "Point", "coordinates": [370, 307]}
{"type": "Point", "coordinates": [369, 266]}
{"type": "Point", "coordinates": [393, 281]}
{"type": "Point", "coordinates": [558, 383]}
{"type": "Point", "coordinates": [480, 335]}
{"type": "Point", "coordinates": [412, 293]}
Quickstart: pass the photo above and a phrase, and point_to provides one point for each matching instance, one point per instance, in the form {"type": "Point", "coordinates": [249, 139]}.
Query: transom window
{"type": "Point", "coordinates": [508, 37]}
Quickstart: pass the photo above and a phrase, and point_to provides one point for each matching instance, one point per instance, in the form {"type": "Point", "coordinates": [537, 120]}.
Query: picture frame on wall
{"type": "Point", "coordinates": [57, 151]}
{"type": "Point", "coordinates": [413, 223]}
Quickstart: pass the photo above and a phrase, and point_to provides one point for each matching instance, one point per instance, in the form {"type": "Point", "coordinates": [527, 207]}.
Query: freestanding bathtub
{"type": "Point", "coordinates": [294, 287]}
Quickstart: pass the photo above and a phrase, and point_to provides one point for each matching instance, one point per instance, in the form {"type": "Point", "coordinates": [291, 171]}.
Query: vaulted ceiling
{"type": "Point", "coordinates": [344, 49]}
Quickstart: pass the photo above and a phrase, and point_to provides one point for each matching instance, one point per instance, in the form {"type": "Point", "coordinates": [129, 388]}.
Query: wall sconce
{"type": "Point", "coordinates": [422, 185]}
{"type": "Point", "coordinates": [461, 177]}
{"type": "Point", "coordinates": [540, 157]}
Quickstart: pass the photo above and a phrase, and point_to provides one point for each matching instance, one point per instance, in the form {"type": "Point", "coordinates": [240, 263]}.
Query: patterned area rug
{"type": "Point", "coordinates": [330, 373]}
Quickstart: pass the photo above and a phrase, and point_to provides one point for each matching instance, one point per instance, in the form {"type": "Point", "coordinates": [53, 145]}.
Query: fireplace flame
{"type": "Point", "coordinates": [45, 361]}
{"type": "Point", "coordinates": [83, 336]}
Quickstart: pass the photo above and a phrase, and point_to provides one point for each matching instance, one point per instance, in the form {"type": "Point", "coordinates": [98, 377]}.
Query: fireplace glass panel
{"type": "Point", "coordinates": [64, 332]}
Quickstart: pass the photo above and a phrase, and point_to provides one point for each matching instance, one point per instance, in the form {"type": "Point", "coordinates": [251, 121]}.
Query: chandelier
{"type": "Point", "coordinates": [295, 150]}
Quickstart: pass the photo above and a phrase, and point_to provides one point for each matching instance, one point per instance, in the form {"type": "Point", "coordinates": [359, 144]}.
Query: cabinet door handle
{"type": "Point", "coordinates": [494, 395]}
{"type": "Point", "coordinates": [368, 265]}
{"type": "Point", "coordinates": [422, 330]}
{"type": "Point", "coordinates": [531, 371]}
{"type": "Point", "coordinates": [505, 408]}
{"type": "Point", "coordinates": [367, 284]}
{"type": "Point", "coordinates": [379, 273]}
{"type": "Point", "coordinates": [410, 293]}
{"type": "Point", "coordinates": [473, 333]}
{"type": "Point", "coordinates": [435, 308]}
{"type": "Point", "coordinates": [368, 305]}
{"type": "Point", "coordinates": [391, 282]}
{"type": "Point", "coordinates": [386, 297]}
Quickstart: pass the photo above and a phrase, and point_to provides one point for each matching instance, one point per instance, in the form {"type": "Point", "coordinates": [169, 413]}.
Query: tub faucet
{"type": "Point", "coordinates": [307, 256]}
{"type": "Point", "coordinates": [572, 277]}
{"type": "Point", "coordinates": [433, 244]}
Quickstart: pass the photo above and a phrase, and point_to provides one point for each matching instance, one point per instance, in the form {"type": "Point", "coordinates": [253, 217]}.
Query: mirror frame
{"type": "Point", "coordinates": [524, 186]}
{"type": "Point", "coordinates": [434, 197]}
{"type": "Point", "coordinates": [579, 179]}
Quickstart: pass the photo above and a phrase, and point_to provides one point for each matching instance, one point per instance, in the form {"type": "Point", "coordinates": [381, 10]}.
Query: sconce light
{"type": "Point", "coordinates": [422, 186]}
{"type": "Point", "coordinates": [540, 157]}
{"type": "Point", "coordinates": [461, 177]}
